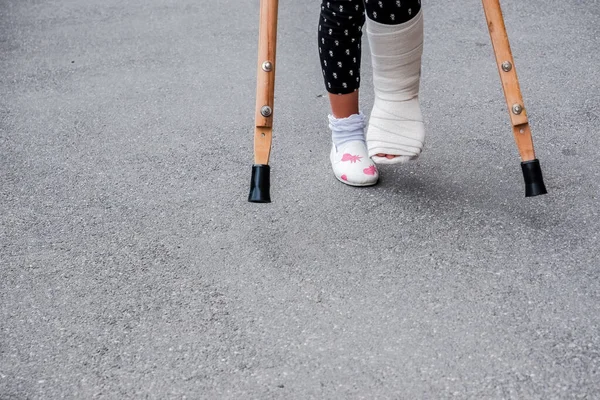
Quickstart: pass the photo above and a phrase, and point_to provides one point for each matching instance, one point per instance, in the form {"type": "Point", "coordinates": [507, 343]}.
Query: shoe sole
{"type": "Point", "coordinates": [356, 184]}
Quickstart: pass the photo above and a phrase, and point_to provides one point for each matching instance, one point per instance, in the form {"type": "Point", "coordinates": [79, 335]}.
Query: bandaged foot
{"type": "Point", "coordinates": [396, 123]}
{"type": "Point", "coordinates": [349, 156]}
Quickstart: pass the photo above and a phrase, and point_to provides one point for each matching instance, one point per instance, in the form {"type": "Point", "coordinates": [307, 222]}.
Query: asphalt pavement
{"type": "Point", "coordinates": [132, 266]}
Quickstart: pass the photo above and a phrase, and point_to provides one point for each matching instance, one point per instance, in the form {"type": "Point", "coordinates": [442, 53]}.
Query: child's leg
{"type": "Point", "coordinates": [340, 35]}
{"type": "Point", "coordinates": [340, 31]}
{"type": "Point", "coordinates": [395, 30]}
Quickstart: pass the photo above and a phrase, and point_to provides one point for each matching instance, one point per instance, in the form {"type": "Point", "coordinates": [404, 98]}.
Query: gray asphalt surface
{"type": "Point", "coordinates": [131, 265]}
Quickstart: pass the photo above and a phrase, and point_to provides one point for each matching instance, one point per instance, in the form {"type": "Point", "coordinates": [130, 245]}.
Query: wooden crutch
{"type": "Point", "coordinates": [265, 95]}
{"type": "Point", "coordinates": [532, 172]}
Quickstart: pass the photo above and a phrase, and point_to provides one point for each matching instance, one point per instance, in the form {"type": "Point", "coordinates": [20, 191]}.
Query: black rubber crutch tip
{"type": "Point", "coordinates": [534, 181]}
{"type": "Point", "coordinates": [260, 184]}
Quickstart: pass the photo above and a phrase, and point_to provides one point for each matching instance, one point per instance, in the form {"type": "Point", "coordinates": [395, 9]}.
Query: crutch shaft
{"type": "Point", "coordinates": [509, 79]}
{"type": "Point", "coordinates": [532, 173]}
{"type": "Point", "coordinates": [265, 81]}
{"type": "Point", "coordinates": [265, 96]}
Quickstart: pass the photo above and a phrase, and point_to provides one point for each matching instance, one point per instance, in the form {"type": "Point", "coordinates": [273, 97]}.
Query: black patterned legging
{"type": "Point", "coordinates": [340, 33]}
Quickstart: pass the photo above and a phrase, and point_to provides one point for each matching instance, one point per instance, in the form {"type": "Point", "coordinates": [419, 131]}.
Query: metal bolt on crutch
{"type": "Point", "coordinates": [532, 172]}
{"type": "Point", "coordinates": [265, 95]}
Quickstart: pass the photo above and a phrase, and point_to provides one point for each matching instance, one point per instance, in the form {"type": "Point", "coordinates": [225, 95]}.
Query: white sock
{"type": "Point", "coordinates": [344, 130]}
{"type": "Point", "coordinates": [396, 123]}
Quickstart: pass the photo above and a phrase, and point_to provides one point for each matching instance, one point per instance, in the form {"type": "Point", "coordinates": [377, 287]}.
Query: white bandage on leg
{"type": "Point", "coordinates": [396, 123]}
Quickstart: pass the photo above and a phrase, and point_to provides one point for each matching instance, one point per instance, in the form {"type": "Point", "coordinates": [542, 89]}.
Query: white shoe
{"type": "Point", "coordinates": [351, 164]}
{"type": "Point", "coordinates": [396, 123]}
